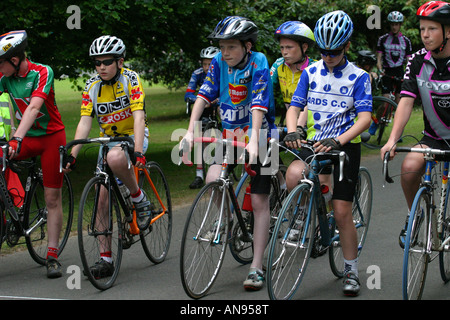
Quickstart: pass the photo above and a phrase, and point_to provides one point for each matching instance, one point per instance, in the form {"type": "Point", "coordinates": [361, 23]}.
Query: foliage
{"type": "Point", "coordinates": [164, 37]}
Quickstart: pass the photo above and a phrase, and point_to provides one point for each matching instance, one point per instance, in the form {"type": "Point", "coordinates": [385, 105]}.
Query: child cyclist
{"type": "Point", "coordinates": [196, 81]}
{"type": "Point", "coordinates": [339, 100]}
{"type": "Point", "coordinates": [40, 131]}
{"type": "Point", "coordinates": [240, 78]}
{"type": "Point", "coordinates": [116, 97]}
{"type": "Point", "coordinates": [427, 76]}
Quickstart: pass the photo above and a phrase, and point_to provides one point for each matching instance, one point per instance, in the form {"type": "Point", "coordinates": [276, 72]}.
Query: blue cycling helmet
{"type": "Point", "coordinates": [297, 31]}
{"type": "Point", "coordinates": [333, 30]}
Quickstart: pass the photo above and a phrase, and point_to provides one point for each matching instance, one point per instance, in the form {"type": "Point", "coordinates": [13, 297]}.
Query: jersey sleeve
{"type": "Point", "coordinates": [261, 90]}
{"type": "Point", "coordinates": [409, 84]}
{"type": "Point", "coordinates": [87, 106]}
{"type": "Point", "coordinates": [210, 88]}
{"type": "Point", "coordinates": [137, 94]}
{"type": "Point", "coordinates": [363, 93]}
{"type": "Point", "coordinates": [300, 97]}
{"type": "Point", "coordinates": [44, 82]}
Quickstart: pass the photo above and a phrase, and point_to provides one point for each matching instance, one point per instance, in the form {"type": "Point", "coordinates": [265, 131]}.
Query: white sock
{"type": "Point", "coordinates": [351, 265]}
{"type": "Point", "coordinates": [199, 173]}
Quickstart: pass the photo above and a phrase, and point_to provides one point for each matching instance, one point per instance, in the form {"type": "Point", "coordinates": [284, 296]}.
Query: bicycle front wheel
{"type": "Point", "coordinates": [291, 244]}
{"type": "Point", "coordinates": [444, 255]}
{"type": "Point", "coordinates": [416, 256]}
{"type": "Point", "coordinates": [204, 240]}
{"type": "Point", "coordinates": [99, 233]}
{"type": "Point", "coordinates": [156, 239]}
{"type": "Point", "coordinates": [35, 219]}
{"type": "Point", "coordinates": [361, 210]}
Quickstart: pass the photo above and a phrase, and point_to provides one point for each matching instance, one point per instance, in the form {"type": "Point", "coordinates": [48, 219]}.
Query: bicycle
{"type": "Point", "coordinates": [116, 228]}
{"type": "Point", "coordinates": [30, 220]}
{"type": "Point", "coordinates": [296, 238]}
{"type": "Point", "coordinates": [208, 227]}
{"type": "Point", "coordinates": [428, 233]}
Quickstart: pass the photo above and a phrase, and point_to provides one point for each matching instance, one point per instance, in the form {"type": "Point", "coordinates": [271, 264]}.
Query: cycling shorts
{"type": "Point", "coordinates": [389, 84]}
{"type": "Point", "coordinates": [47, 147]}
{"type": "Point", "coordinates": [342, 190]}
{"type": "Point", "coordinates": [115, 143]}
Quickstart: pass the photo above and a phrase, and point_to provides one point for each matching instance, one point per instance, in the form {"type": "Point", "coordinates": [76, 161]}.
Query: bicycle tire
{"type": "Point", "coordinates": [35, 216]}
{"type": "Point", "coordinates": [444, 256]}
{"type": "Point", "coordinates": [415, 256]}
{"type": "Point", "coordinates": [377, 141]}
{"type": "Point", "coordinates": [156, 239]}
{"type": "Point", "coordinates": [90, 242]}
{"type": "Point", "coordinates": [202, 253]}
{"type": "Point", "coordinates": [291, 244]}
{"type": "Point", "coordinates": [361, 211]}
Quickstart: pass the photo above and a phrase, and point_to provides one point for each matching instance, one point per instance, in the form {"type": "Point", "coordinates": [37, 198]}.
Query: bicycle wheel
{"type": "Point", "coordinates": [416, 256]}
{"type": "Point", "coordinates": [204, 240]}
{"type": "Point", "coordinates": [99, 232]}
{"type": "Point", "coordinates": [291, 244]}
{"type": "Point", "coordinates": [384, 108]}
{"type": "Point", "coordinates": [35, 219]}
{"type": "Point", "coordinates": [361, 210]}
{"type": "Point", "coordinates": [156, 239]}
{"type": "Point", "coordinates": [444, 256]}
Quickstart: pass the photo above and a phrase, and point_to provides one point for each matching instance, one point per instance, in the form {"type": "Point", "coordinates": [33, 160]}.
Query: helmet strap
{"type": "Point", "coordinates": [444, 42]}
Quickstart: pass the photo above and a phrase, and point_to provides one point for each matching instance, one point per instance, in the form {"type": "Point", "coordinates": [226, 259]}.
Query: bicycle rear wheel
{"type": "Point", "coordinates": [35, 219]}
{"type": "Point", "coordinates": [204, 240]}
{"type": "Point", "coordinates": [384, 108]}
{"type": "Point", "coordinates": [99, 232]}
{"type": "Point", "coordinates": [291, 244]}
{"type": "Point", "coordinates": [444, 256]}
{"type": "Point", "coordinates": [156, 239]}
{"type": "Point", "coordinates": [361, 210]}
{"type": "Point", "coordinates": [415, 256]}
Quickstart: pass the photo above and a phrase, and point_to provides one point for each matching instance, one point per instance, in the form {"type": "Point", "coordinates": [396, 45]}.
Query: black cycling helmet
{"type": "Point", "coordinates": [438, 11]}
{"type": "Point", "coordinates": [366, 57]}
{"type": "Point", "coordinates": [235, 27]}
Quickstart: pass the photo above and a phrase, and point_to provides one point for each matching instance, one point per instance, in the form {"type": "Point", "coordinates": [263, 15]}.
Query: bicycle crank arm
{"type": "Point", "coordinates": [37, 225]}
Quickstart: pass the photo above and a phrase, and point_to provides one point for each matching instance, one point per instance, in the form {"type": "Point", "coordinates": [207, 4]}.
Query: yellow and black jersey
{"type": "Point", "coordinates": [113, 104]}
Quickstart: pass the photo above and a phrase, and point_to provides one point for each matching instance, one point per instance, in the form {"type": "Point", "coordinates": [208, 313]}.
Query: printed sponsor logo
{"type": "Point", "coordinates": [237, 93]}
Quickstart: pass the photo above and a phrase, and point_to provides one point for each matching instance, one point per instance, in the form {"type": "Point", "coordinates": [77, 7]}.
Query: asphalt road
{"type": "Point", "coordinates": [139, 279]}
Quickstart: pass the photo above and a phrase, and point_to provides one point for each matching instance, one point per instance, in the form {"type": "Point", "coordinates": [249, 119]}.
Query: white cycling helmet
{"type": "Point", "coordinates": [209, 53]}
{"type": "Point", "coordinates": [107, 45]}
{"type": "Point", "coordinates": [395, 16]}
{"type": "Point", "coordinates": [12, 43]}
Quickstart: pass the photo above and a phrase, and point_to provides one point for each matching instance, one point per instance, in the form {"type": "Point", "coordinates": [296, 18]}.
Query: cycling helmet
{"type": "Point", "coordinates": [395, 16]}
{"type": "Point", "coordinates": [438, 11]}
{"type": "Point", "coordinates": [366, 57]}
{"type": "Point", "coordinates": [12, 44]}
{"type": "Point", "coordinates": [333, 30]}
{"type": "Point", "coordinates": [235, 27]}
{"type": "Point", "coordinates": [209, 53]}
{"type": "Point", "coordinates": [297, 31]}
{"type": "Point", "coordinates": [107, 45]}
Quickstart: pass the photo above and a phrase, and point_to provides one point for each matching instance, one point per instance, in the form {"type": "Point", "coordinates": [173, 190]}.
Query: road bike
{"type": "Point", "coordinates": [29, 220]}
{"type": "Point", "coordinates": [428, 232]}
{"type": "Point", "coordinates": [296, 238]}
{"type": "Point", "coordinates": [107, 217]}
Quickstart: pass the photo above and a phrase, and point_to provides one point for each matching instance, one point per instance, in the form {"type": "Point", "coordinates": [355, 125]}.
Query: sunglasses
{"type": "Point", "coordinates": [331, 53]}
{"type": "Point", "coordinates": [106, 62]}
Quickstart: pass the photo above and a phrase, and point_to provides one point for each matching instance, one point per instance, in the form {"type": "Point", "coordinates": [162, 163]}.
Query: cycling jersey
{"type": "Point", "coordinates": [240, 91]}
{"type": "Point", "coordinates": [114, 104]}
{"type": "Point", "coordinates": [333, 99]}
{"type": "Point", "coordinates": [37, 82]}
{"type": "Point", "coordinates": [424, 79]}
{"type": "Point", "coordinates": [281, 74]}
{"type": "Point", "coordinates": [196, 81]}
{"type": "Point", "coordinates": [395, 48]}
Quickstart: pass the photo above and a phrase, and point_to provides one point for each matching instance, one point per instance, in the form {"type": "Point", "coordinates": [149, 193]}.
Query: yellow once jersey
{"type": "Point", "coordinates": [281, 74]}
{"type": "Point", "coordinates": [113, 104]}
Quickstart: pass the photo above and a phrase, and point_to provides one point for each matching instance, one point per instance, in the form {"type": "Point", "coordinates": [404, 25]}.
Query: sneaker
{"type": "Point", "coordinates": [144, 210]}
{"type": "Point", "coordinates": [197, 183]}
{"type": "Point", "coordinates": [351, 284]}
{"type": "Point", "coordinates": [101, 269]}
{"type": "Point", "coordinates": [53, 268]}
{"type": "Point", "coordinates": [373, 128]}
{"type": "Point", "coordinates": [255, 280]}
